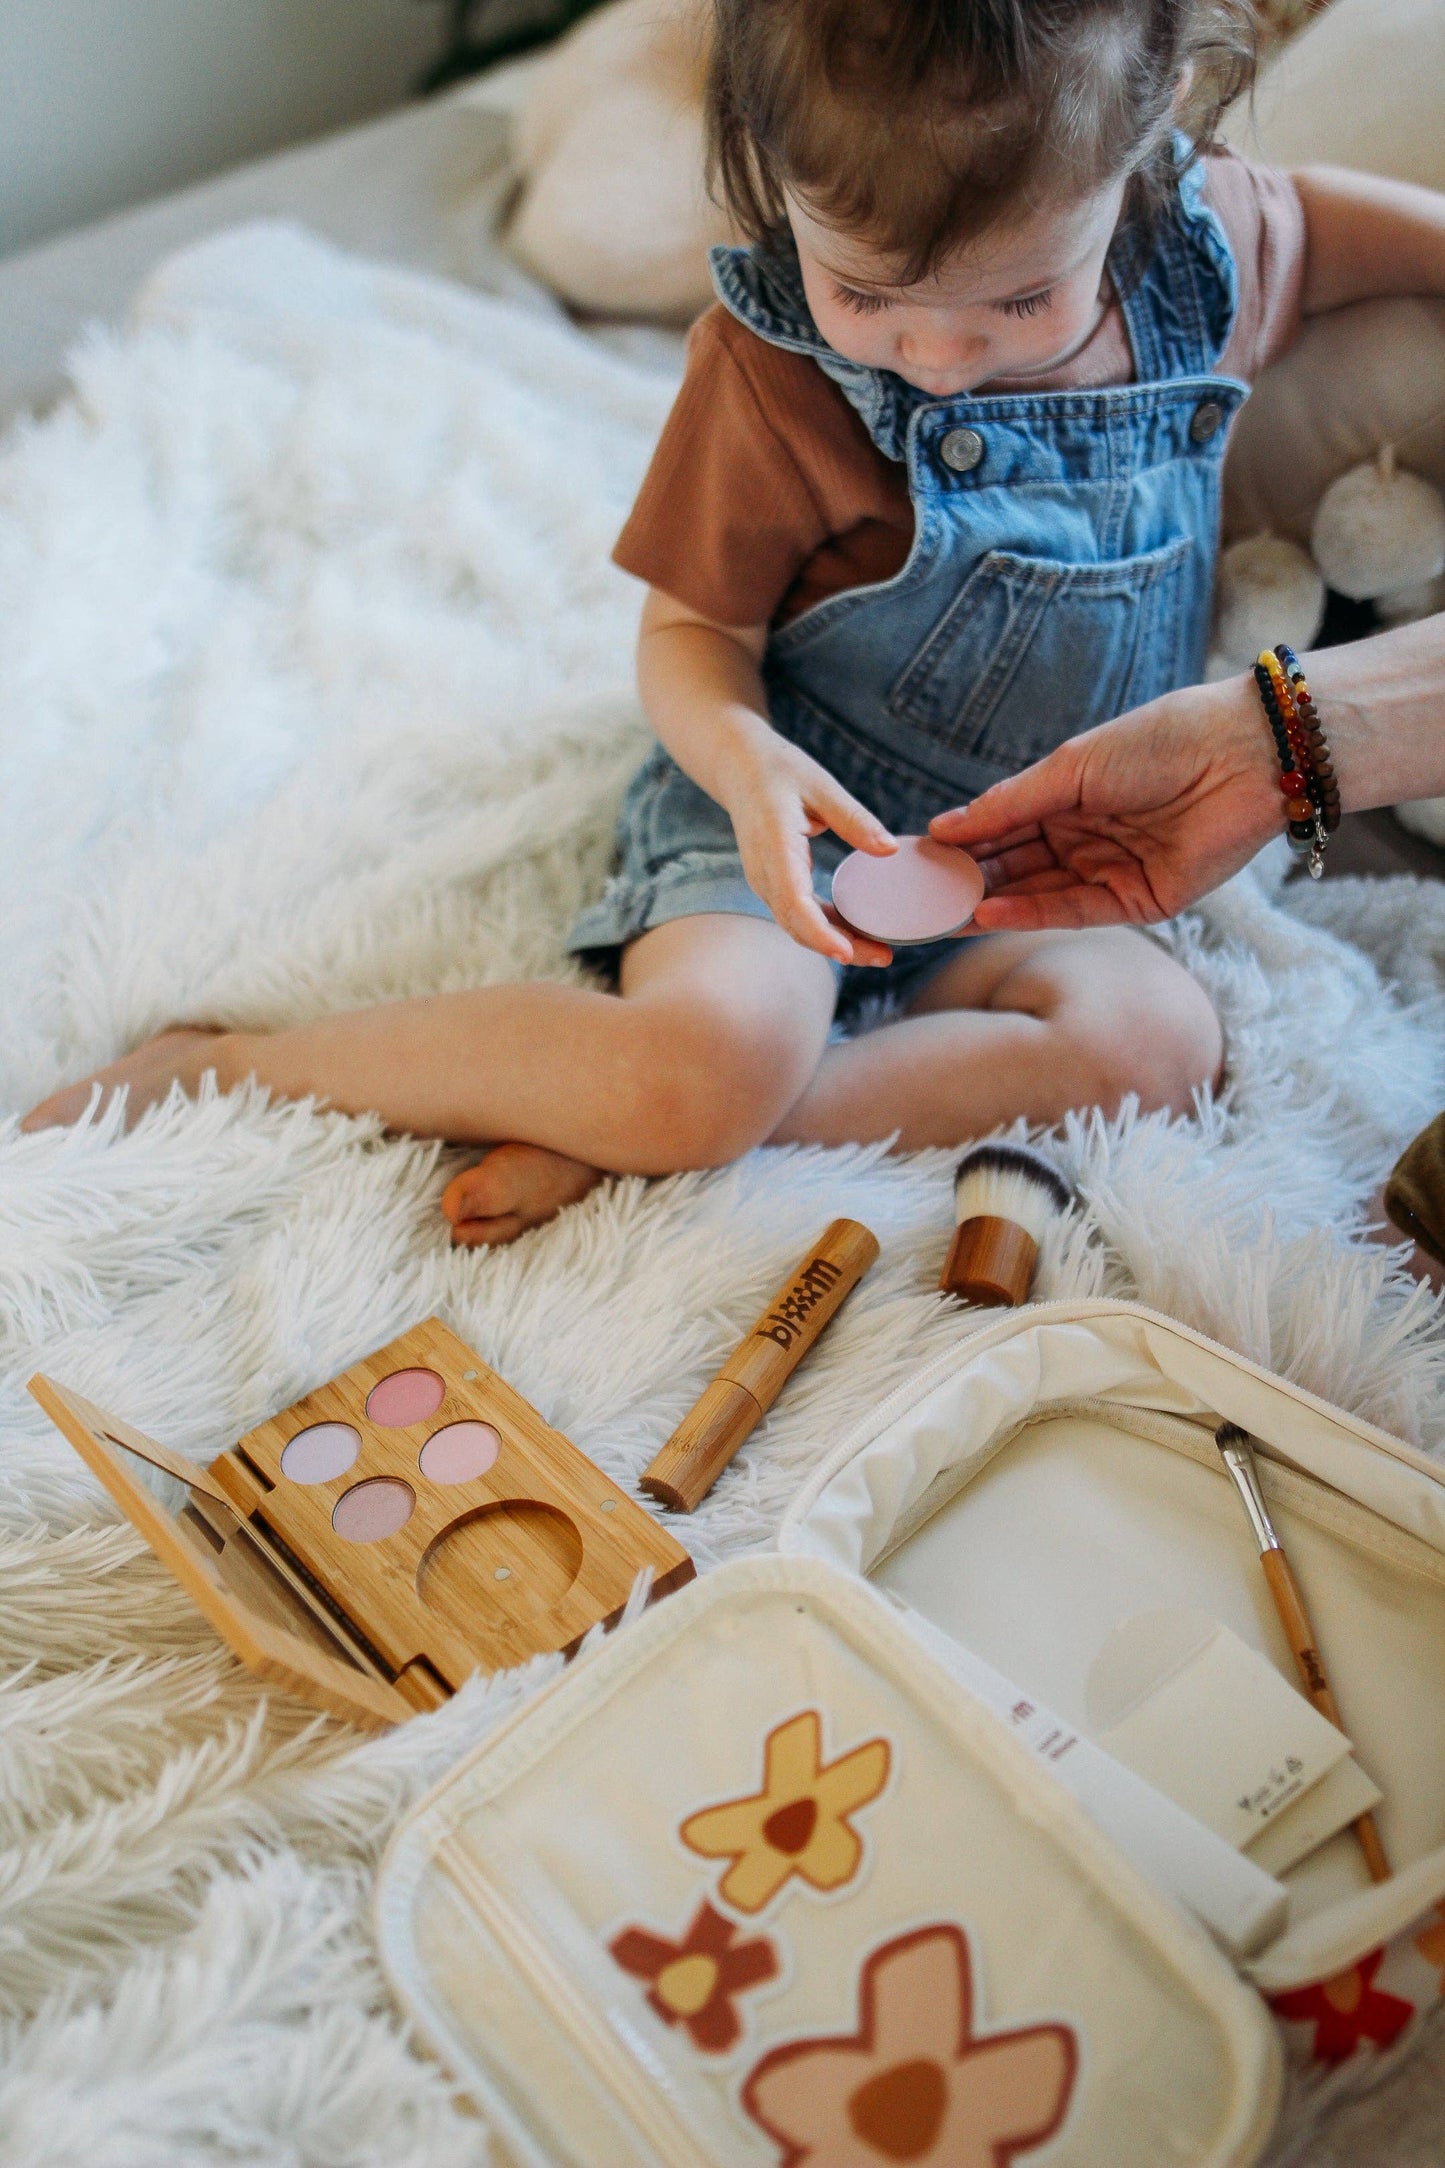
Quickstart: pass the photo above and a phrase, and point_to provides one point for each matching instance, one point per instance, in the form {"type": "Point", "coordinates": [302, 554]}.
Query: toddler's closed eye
{"type": "Point", "coordinates": [1026, 304]}
{"type": "Point", "coordinates": [862, 304]}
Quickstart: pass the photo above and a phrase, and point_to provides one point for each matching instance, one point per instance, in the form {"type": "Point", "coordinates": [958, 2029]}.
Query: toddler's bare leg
{"type": "Point", "coordinates": [517, 1186]}
{"type": "Point", "coordinates": [1019, 1024]}
{"type": "Point", "coordinates": [719, 1026]}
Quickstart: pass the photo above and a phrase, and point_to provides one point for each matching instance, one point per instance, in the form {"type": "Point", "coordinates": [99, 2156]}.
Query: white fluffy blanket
{"type": "Point", "coordinates": [314, 689]}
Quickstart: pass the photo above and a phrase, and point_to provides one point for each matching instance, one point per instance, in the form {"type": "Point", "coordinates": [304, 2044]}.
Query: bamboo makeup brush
{"type": "Point", "coordinates": [1005, 1198]}
{"type": "Point", "coordinates": [1238, 1456]}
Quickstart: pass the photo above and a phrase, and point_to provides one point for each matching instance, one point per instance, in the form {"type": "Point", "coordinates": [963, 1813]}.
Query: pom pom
{"type": "Point", "coordinates": [1424, 817]}
{"type": "Point", "coordinates": [1407, 604]}
{"type": "Point", "coordinates": [1267, 589]}
{"type": "Point", "coordinates": [1379, 529]}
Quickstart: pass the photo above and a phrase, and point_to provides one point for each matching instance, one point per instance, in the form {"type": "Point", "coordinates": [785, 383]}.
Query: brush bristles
{"type": "Point", "coordinates": [1010, 1182]}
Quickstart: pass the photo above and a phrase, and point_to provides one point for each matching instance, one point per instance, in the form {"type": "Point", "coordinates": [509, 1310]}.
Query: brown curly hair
{"type": "Point", "coordinates": [916, 125]}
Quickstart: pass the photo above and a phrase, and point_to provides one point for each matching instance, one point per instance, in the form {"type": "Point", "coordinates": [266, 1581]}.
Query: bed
{"type": "Point", "coordinates": [188, 1971]}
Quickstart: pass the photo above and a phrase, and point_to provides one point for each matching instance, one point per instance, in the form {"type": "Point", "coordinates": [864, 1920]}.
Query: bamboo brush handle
{"type": "Point", "coordinates": [1294, 1618]}
{"type": "Point", "coordinates": [990, 1262]}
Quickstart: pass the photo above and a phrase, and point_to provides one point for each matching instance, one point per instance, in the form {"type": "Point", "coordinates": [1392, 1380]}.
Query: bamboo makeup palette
{"type": "Point", "coordinates": [374, 1544]}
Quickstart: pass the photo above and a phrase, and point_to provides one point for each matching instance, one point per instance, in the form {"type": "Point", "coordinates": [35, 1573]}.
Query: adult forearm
{"type": "Point", "coordinates": [1382, 703]}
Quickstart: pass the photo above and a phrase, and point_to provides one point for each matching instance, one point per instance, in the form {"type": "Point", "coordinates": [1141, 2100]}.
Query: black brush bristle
{"type": "Point", "coordinates": [1015, 1159]}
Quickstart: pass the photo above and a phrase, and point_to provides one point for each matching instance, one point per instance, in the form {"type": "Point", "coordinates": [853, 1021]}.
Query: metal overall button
{"type": "Point", "coordinates": [961, 450]}
{"type": "Point", "coordinates": [1205, 420]}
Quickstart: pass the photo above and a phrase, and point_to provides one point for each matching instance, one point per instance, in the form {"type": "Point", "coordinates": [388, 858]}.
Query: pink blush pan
{"type": "Point", "coordinates": [923, 892]}
{"type": "Point", "coordinates": [406, 1397]}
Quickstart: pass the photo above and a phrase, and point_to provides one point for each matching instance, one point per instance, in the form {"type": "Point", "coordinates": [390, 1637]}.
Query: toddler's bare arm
{"type": "Point", "coordinates": [702, 687]}
{"type": "Point", "coordinates": [1367, 237]}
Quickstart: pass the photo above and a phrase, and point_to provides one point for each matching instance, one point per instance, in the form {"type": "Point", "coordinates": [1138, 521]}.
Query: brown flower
{"type": "Point", "coordinates": [915, 2083]}
{"type": "Point", "coordinates": [798, 1823]}
{"type": "Point", "coordinates": [694, 1981]}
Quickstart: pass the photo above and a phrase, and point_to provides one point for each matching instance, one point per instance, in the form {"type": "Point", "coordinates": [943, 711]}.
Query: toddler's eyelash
{"type": "Point", "coordinates": [860, 303]}
{"type": "Point", "coordinates": [1028, 304]}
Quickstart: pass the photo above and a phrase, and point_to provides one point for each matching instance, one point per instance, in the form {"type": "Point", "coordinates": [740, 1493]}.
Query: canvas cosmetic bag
{"type": "Point", "coordinates": [1056, 1475]}
{"type": "Point", "coordinates": [759, 1883]}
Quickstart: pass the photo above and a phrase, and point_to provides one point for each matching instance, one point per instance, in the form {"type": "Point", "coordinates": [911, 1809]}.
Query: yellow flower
{"type": "Point", "coordinates": [798, 1823]}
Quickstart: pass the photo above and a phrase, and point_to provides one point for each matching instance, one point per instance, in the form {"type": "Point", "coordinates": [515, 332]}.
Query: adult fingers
{"type": "Point", "coordinates": [1022, 912]}
{"type": "Point", "coordinates": [1024, 801]}
{"type": "Point", "coordinates": [1002, 867]}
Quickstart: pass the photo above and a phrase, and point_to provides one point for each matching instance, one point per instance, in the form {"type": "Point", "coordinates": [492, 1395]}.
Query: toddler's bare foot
{"type": "Point", "coordinates": [181, 1056]}
{"type": "Point", "coordinates": [515, 1187]}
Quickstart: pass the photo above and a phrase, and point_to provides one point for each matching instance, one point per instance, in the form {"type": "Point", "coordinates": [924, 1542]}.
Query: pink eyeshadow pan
{"type": "Point", "coordinates": [373, 1509]}
{"type": "Point", "coordinates": [407, 1396]}
{"type": "Point", "coordinates": [320, 1454]}
{"type": "Point", "coordinates": [923, 892]}
{"type": "Point", "coordinates": [460, 1452]}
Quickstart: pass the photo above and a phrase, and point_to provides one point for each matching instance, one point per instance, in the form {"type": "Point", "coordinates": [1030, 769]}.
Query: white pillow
{"type": "Point", "coordinates": [1364, 86]}
{"type": "Point", "coordinates": [613, 213]}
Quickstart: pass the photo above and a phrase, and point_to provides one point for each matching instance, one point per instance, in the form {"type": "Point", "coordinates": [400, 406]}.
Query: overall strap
{"type": "Point", "coordinates": [1178, 284]}
{"type": "Point", "coordinates": [763, 288]}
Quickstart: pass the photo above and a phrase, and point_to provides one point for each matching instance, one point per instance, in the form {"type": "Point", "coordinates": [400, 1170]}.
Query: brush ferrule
{"type": "Point", "coordinates": [1238, 1457]}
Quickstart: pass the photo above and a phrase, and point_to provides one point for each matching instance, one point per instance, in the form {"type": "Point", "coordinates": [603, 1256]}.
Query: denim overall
{"type": "Point", "coordinates": [1061, 572]}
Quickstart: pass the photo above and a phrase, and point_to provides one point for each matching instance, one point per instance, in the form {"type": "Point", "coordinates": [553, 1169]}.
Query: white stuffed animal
{"type": "Point", "coordinates": [1266, 589]}
{"type": "Point", "coordinates": [1378, 535]}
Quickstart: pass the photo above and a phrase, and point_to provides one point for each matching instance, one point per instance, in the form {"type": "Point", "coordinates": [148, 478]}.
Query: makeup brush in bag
{"type": "Point", "coordinates": [1005, 1198]}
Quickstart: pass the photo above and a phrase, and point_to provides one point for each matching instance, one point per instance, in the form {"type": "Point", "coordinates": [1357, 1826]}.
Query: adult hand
{"type": "Point", "coordinates": [1130, 822]}
{"type": "Point", "coordinates": [778, 799]}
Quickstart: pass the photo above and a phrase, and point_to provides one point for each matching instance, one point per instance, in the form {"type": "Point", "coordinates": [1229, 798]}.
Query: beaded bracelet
{"type": "Point", "coordinates": [1307, 776]}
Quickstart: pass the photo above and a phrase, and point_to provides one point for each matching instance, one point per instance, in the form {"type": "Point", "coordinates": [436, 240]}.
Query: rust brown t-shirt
{"type": "Point", "coordinates": [766, 494]}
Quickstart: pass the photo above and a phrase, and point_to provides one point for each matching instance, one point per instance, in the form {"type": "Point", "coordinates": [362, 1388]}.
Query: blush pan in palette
{"type": "Point", "coordinates": [923, 891]}
{"type": "Point", "coordinates": [378, 1541]}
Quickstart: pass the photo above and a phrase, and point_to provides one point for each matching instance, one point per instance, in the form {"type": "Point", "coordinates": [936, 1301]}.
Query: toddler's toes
{"type": "Point", "coordinates": [515, 1187]}
{"type": "Point", "coordinates": [179, 1056]}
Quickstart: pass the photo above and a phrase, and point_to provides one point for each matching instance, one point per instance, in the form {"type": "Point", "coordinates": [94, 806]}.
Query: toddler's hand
{"type": "Point", "coordinates": [780, 800]}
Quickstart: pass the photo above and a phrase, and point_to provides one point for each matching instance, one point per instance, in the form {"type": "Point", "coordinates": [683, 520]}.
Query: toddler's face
{"type": "Point", "coordinates": [1017, 302]}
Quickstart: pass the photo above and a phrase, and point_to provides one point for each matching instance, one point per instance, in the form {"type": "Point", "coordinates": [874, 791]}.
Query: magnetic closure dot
{"type": "Point", "coordinates": [961, 450]}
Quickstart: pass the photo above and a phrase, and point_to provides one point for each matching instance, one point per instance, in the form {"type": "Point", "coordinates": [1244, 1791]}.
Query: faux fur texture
{"type": "Point", "coordinates": [314, 689]}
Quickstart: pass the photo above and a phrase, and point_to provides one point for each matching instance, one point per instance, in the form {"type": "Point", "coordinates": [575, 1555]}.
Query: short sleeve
{"type": "Point", "coordinates": [724, 520]}
{"type": "Point", "coordinates": [1263, 218]}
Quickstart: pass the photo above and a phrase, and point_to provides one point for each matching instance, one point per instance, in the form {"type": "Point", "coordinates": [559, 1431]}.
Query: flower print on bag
{"type": "Point", "coordinates": [1431, 1945]}
{"type": "Point", "coordinates": [693, 1982]}
{"type": "Point", "coordinates": [798, 1823]}
{"type": "Point", "coordinates": [915, 2082]}
{"type": "Point", "coordinates": [1347, 2011]}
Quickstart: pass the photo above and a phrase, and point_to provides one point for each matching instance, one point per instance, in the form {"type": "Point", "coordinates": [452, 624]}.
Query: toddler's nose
{"type": "Point", "coordinates": [960, 357]}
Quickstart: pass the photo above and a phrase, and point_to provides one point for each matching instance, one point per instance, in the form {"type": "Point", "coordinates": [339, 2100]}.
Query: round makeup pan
{"type": "Point", "coordinates": [924, 891]}
{"type": "Point", "coordinates": [404, 1398]}
{"type": "Point", "coordinates": [320, 1453]}
{"type": "Point", "coordinates": [460, 1452]}
{"type": "Point", "coordinates": [374, 1509]}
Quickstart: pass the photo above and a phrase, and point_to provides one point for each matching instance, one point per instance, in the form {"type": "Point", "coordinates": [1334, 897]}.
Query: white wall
{"type": "Point", "coordinates": [103, 102]}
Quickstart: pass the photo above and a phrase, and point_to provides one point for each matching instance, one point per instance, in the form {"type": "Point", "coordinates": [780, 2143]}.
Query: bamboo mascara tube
{"type": "Point", "coordinates": [731, 1408]}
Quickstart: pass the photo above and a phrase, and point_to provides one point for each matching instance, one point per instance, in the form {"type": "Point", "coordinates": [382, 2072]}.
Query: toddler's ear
{"type": "Point", "coordinates": [1183, 88]}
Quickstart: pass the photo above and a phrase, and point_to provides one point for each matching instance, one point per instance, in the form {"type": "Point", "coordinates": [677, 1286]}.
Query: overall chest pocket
{"type": "Point", "coordinates": [1030, 651]}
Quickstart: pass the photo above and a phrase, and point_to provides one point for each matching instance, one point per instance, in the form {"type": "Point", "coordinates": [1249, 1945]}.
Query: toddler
{"type": "Point", "coordinates": [940, 489]}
